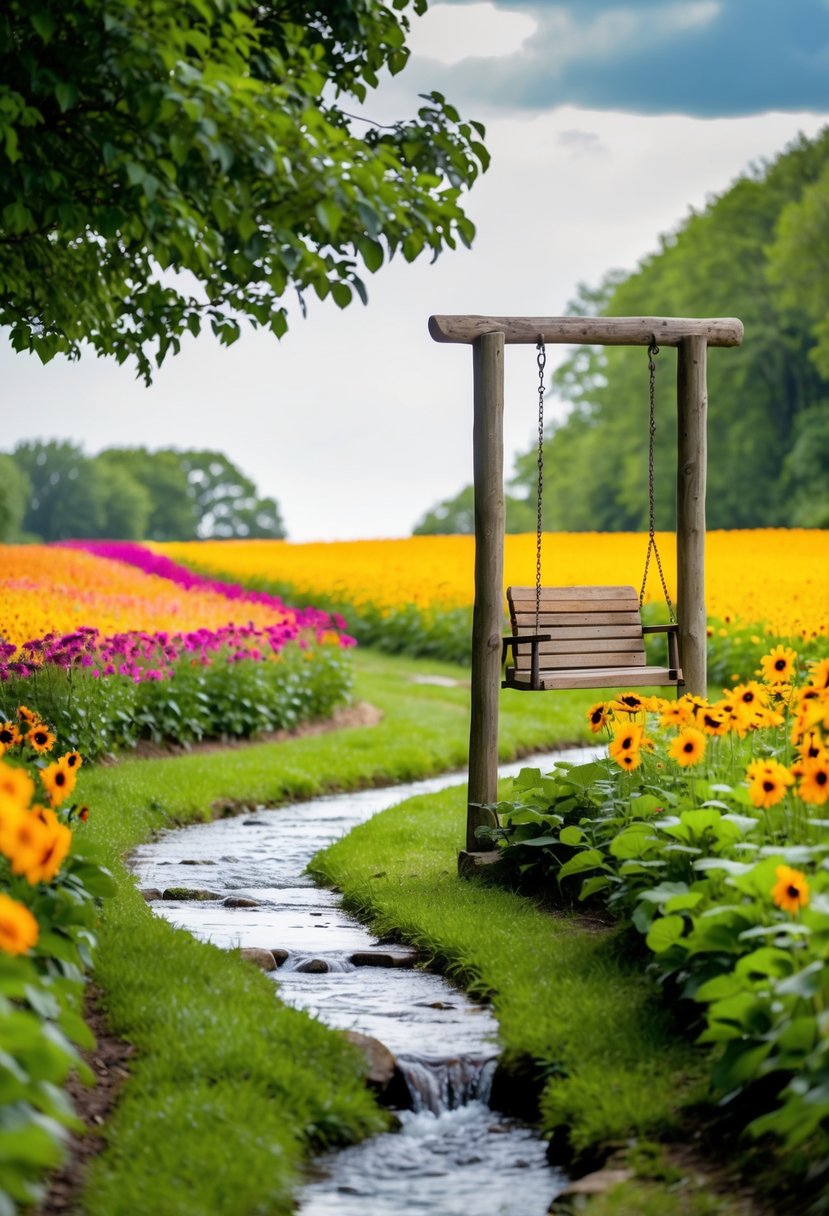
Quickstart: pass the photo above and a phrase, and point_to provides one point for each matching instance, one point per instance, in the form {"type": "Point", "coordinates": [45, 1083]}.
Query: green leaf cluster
{"type": "Point", "coordinates": [170, 166]}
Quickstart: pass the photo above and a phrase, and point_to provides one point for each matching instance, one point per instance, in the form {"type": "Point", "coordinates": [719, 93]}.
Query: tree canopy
{"type": "Point", "coordinates": [53, 491]}
{"type": "Point", "coordinates": [166, 163]}
{"type": "Point", "coordinates": [760, 251]}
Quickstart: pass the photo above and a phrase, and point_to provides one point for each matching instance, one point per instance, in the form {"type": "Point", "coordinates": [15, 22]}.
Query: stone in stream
{"type": "Point", "coordinates": [391, 956]}
{"type": "Point", "coordinates": [380, 1062]}
{"type": "Point", "coordinates": [240, 901]}
{"type": "Point", "coordinates": [196, 893]}
{"type": "Point", "coordinates": [315, 965]}
{"type": "Point", "coordinates": [281, 956]}
{"type": "Point", "coordinates": [196, 861]}
{"type": "Point", "coordinates": [260, 958]}
{"type": "Point", "coordinates": [151, 894]}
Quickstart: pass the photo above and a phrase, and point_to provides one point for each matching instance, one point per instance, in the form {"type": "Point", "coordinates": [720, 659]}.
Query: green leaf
{"type": "Point", "coordinates": [592, 886]}
{"type": "Point", "coordinates": [571, 835]}
{"type": "Point", "coordinates": [44, 23]}
{"type": "Point", "coordinates": [371, 252]}
{"type": "Point", "coordinates": [664, 933]}
{"type": "Point", "coordinates": [589, 859]}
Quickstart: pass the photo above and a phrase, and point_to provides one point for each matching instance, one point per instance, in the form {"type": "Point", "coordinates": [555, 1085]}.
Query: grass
{"type": "Point", "coordinates": [228, 1088]}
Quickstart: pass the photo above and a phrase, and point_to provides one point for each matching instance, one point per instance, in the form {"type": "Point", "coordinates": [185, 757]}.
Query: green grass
{"type": "Point", "coordinates": [228, 1088]}
{"type": "Point", "coordinates": [565, 995]}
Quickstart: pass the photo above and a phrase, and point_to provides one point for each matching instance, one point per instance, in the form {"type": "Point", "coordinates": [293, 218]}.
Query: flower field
{"type": "Point", "coordinates": [705, 832]}
{"type": "Point", "coordinates": [414, 594]}
{"type": "Point", "coordinates": [120, 644]}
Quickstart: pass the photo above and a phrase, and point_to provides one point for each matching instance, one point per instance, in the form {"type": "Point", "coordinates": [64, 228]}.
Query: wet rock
{"type": "Point", "coordinates": [315, 965]}
{"type": "Point", "coordinates": [260, 958]}
{"type": "Point", "coordinates": [240, 901]}
{"type": "Point", "coordinates": [380, 1062]}
{"type": "Point", "coordinates": [255, 823]}
{"type": "Point", "coordinates": [151, 894]}
{"type": "Point", "coordinates": [391, 956]}
{"type": "Point", "coordinates": [193, 893]}
{"type": "Point", "coordinates": [281, 956]}
{"type": "Point", "coordinates": [195, 861]}
{"type": "Point", "coordinates": [591, 1184]}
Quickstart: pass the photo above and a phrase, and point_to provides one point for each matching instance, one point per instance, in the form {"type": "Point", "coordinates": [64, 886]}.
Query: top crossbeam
{"type": "Point", "coordinates": [590, 331]}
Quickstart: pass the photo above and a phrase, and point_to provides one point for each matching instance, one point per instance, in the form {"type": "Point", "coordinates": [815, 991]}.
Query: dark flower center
{"type": "Point", "coordinates": [6, 736]}
{"type": "Point", "coordinates": [780, 665]}
{"type": "Point", "coordinates": [60, 778]}
{"type": "Point", "coordinates": [768, 786]}
{"type": "Point", "coordinates": [40, 737]}
{"type": "Point", "coordinates": [688, 747]}
{"type": "Point", "coordinates": [792, 891]}
{"type": "Point", "coordinates": [821, 778]}
{"type": "Point", "coordinates": [747, 697]}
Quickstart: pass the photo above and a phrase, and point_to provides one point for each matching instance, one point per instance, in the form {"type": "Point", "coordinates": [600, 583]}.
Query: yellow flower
{"type": "Point", "coordinates": [56, 844]}
{"type": "Point", "coordinates": [791, 891]}
{"type": "Point", "coordinates": [714, 720]}
{"type": "Point", "coordinates": [627, 703]}
{"type": "Point", "coordinates": [778, 665]}
{"type": "Point", "coordinates": [624, 749]}
{"type": "Point", "coordinates": [9, 735]}
{"type": "Point", "coordinates": [25, 842]}
{"type": "Point", "coordinates": [16, 784]}
{"type": "Point", "coordinates": [40, 739]}
{"type": "Point", "coordinates": [688, 747]}
{"type": "Point", "coordinates": [768, 780]}
{"type": "Point", "coordinates": [72, 759]}
{"type": "Point", "coordinates": [58, 781]}
{"type": "Point", "coordinates": [676, 713]}
{"type": "Point", "coordinates": [18, 928]}
{"type": "Point", "coordinates": [597, 716]}
{"type": "Point", "coordinates": [814, 781]}
{"type": "Point", "coordinates": [819, 673]}
{"type": "Point", "coordinates": [27, 715]}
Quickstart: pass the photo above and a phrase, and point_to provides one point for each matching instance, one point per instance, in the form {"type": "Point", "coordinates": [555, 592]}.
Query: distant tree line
{"type": "Point", "coordinates": [52, 491]}
{"type": "Point", "coordinates": [760, 252]}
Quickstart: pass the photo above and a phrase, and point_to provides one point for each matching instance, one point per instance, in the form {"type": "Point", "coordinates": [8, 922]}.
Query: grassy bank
{"type": "Point", "coordinates": [228, 1089]}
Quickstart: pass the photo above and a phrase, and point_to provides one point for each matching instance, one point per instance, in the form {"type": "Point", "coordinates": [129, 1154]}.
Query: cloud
{"type": "Point", "coordinates": [706, 58]}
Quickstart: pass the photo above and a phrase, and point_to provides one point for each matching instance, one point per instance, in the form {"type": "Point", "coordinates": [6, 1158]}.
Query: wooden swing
{"type": "Point", "coordinates": [586, 637]}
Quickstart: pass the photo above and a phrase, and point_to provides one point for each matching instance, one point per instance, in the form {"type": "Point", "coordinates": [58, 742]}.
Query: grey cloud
{"type": "Point", "coordinates": [707, 58]}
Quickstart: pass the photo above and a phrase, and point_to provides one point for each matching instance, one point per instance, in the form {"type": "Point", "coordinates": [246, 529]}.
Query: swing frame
{"type": "Point", "coordinates": [488, 336]}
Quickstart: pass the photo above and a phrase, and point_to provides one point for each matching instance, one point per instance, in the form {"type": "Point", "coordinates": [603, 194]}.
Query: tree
{"type": "Point", "coordinates": [68, 495]}
{"type": "Point", "coordinates": [161, 475]}
{"type": "Point", "coordinates": [227, 502]}
{"type": "Point", "coordinates": [15, 489]}
{"type": "Point", "coordinates": [456, 516]}
{"type": "Point", "coordinates": [171, 163]}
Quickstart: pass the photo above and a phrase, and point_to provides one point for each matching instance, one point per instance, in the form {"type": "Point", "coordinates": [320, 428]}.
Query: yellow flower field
{"type": "Point", "coordinates": [54, 589]}
{"type": "Point", "coordinates": [777, 578]}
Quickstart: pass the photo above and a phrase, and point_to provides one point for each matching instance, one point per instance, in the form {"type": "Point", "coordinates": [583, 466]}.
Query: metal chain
{"type": "Point", "coordinates": [541, 360]}
{"type": "Point", "coordinates": [653, 351]}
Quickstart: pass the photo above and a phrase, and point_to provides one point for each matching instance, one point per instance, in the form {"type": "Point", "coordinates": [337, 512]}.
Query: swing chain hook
{"type": "Point", "coordinates": [541, 360]}
{"type": "Point", "coordinates": [653, 351]}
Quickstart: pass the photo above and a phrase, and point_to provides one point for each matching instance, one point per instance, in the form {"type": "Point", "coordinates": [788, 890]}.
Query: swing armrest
{"type": "Point", "coordinates": [533, 640]}
{"type": "Point", "coordinates": [672, 631]}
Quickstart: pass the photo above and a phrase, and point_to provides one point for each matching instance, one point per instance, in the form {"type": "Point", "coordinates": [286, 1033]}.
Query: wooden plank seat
{"type": "Point", "coordinates": [585, 637]}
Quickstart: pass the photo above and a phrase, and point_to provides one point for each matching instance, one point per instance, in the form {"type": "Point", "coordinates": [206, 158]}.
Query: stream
{"type": "Point", "coordinates": [452, 1152]}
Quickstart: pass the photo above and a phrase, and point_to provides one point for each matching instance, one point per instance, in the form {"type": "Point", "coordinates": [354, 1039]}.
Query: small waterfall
{"type": "Point", "coordinates": [317, 963]}
{"type": "Point", "coordinates": [437, 1085]}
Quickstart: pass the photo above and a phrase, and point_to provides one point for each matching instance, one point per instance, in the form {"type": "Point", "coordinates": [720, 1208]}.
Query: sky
{"type": "Point", "coordinates": [607, 120]}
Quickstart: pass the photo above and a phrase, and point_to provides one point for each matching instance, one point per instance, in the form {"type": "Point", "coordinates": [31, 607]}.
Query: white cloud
{"type": "Point", "coordinates": [449, 33]}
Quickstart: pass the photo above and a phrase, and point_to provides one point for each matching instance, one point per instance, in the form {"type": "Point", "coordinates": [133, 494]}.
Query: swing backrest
{"type": "Point", "coordinates": [590, 627]}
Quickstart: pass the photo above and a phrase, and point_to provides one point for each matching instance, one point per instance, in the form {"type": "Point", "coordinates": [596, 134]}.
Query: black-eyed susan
{"type": "Point", "coordinates": [695, 704]}
{"type": "Point", "coordinates": [27, 715]}
{"type": "Point", "coordinates": [9, 736]}
{"type": "Point", "coordinates": [58, 781]}
{"type": "Point", "coordinates": [597, 716]}
{"type": "Point", "coordinates": [54, 845]}
{"type": "Point", "coordinates": [15, 784]}
{"type": "Point", "coordinates": [814, 781]}
{"type": "Point", "coordinates": [18, 928]}
{"type": "Point", "coordinates": [626, 744]}
{"type": "Point", "coordinates": [25, 842]}
{"type": "Point", "coordinates": [778, 665]}
{"type": "Point", "coordinates": [688, 747]}
{"type": "Point", "coordinates": [40, 739]}
{"type": "Point", "coordinates": [675, 713]}
{"type": "Point", "coordinates": [819, 673]}
{"type": "Point", "coordinates": [714, 721]}
{"type": "Point", "coordinates": [72, 759]}
{"type": "Point", "coordinates": [628, 703]}
{"type": "Point", "coordinates": [791, 891]}
{"type": "Point", "coordinates": [768, 782]}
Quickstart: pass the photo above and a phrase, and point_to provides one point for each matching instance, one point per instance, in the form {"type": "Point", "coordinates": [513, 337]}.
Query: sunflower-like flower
{"type": "Point", "coordinates": [40, 739]}
{"type": "Point", "coordinates": [597, 716]}
{"type": "Point", "coordinates": [768, 781]}
{"type": "Point", "coordinates": [9, 736]}
{"type": "Point", "coordinates": [56, 844]}
{"type": "Point", "coordinates": [791, 891]}
{"type": "Point", "coordinates": [58, 781]}
{"type": "Point", "coordinates": [18, 928]}
{"type": "Point", "coordinates": [25, 842]}
{"type": "Point", "coordinates": [819, 673]}
{"type": "Point", "coordinates": [626, 745]}
{"type": "Point", "coordinates": [714, 720]}
{"type": "Point", "coordinates": [778, 665]}
{"type": "Point", "coordinates": [72, 759]}
{"type": "Point", "coordinates": [27, 715]}
{"type": "Point", "coordinates": [688, 747]}
{"type": "Point", "coordinates": [676, 713]}
{"type": "Point", "coordinates": [628, 703]}
{"type": "Point", "coordinates": [15, 784]}
{"type": "Point", "coordinates": [814, 780]}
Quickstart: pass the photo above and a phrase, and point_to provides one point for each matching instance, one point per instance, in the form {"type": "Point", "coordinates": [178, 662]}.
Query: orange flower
{"type": "Point", "coordinates": [778, 665]}
{"type": "Point", "coordinates": [814, 781]}
{"type": "Point", "coordinates": [768, 780]}
{"type": "Point", "coordinates": [676, 713]}
{"type": "Point", "coordinates": [55, 846]}
{"type": "Point", "coordinates": [9, 735]}
{"type": "Point", "coordinates": [16, 784]}
{"type": "Point", "coordinates": [597, 716]}
{"type": "Point", "coordinates": [688, 747]}
{"type": "Point", "coordinates": [58, 781]}
{"type": "Point", "coordinates": [791, 891]}
{"type": "Point", "coordinates": [40, 739]}
{"type": "Point", "coordinates": [626, 744]}
{"type": "Point", "coordinates": [18, 928]}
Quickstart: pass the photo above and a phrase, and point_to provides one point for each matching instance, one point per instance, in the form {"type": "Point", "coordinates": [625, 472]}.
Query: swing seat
{"type": "Point", "coordinates": [585, 637]}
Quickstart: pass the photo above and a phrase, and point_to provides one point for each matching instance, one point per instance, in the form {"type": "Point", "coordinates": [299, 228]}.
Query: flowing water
{"type": "Point", "coordinates": [452, 1151]}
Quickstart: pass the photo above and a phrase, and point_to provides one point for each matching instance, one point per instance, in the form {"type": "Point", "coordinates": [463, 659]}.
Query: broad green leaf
{"type": "Point", "coordinates": [664, 933]}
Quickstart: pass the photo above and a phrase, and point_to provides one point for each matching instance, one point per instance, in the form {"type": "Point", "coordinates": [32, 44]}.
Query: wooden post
{"type": "Point", "coordinates": [488, 612]}
{"type": "Point", "coordinates": [692, 459]}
